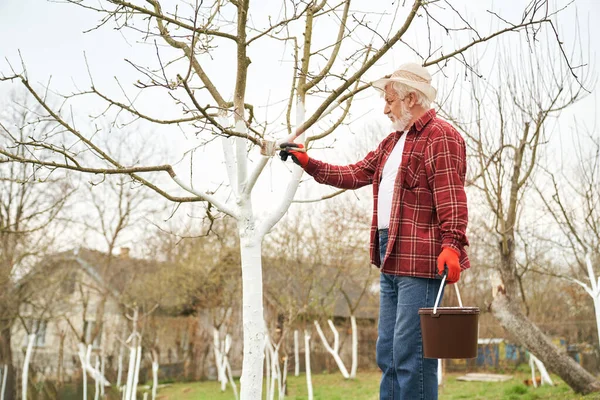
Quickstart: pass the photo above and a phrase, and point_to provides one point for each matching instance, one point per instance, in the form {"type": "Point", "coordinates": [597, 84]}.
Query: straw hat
{"type": "Point", "coordinates": [412, 75]}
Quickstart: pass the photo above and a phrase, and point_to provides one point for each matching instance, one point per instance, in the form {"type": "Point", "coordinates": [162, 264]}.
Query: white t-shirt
{"type": "Point", "coordinates": [386, 187]}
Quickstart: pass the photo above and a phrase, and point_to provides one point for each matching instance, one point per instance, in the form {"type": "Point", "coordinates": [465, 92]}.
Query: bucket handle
{"type": "Point", "coordinates": [437, 299]}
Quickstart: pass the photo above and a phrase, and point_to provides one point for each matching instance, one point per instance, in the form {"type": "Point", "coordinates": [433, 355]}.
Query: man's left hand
{"type": "Point", "coordinates": [449, 258]}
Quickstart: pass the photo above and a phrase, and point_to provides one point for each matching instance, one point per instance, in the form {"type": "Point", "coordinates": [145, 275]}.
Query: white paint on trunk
{"type": "Point", "coordinates": [309, 386]}
{"type": "Point", "coordinates": [296, 355]}
{"type": "Point", "coordinates": [3, 388]}
{"type": "Point", "coordinates": [154, 377]}
{"type": "Point", "coordinates": [226, 348]}
{"type": "Point", "coordinates": [274, 365]}
{"type": "Point", "coordinates": [145, 396]}
{"type": "Point", "coordinates": [102, 372]}
{"type": "Point", "coordinates": [593, 289]}
{"type": "Point", "coordinates": [440, 372]}
{"type": "Point", "coordinates": [231, 381]}
{"type": "Point", "coordinates": [219, 359]}
{"type": "Point", "coordinates": [354, 366]}
{"type": "Point", "coordinates": [136, 375]}
{"type": "Point", "coordinates": [120, 366]}
{"type": "Point", "coordinates": [274, 374]}
{"type": "Point", "coordinates": [283, 381]}
{"type": "Point", "coordinates": [130, 372]}
{"type": "Point", "coordinates": [84, 355]}
{"type": "Point", "coordinates": [96, 381]}
{"type": "Point", "coordinates": [253, 313]}
{"type": "Point", "coordinates": [267, 369]}
{"type": "Point", "coordinates": [336, 346]}
{"type": "Point", "coordinates": [543, 371]}
{"type": "Point", "coordinates": [25, 375]}
{"type": "Point", "coordinates": [532, 366]}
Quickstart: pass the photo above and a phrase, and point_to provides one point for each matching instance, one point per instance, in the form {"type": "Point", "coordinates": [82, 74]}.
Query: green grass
{"type": "Point", "coordinates": [365, 387]}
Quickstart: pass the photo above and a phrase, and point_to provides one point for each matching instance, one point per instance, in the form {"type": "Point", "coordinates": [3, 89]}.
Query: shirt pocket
{"type": "Point", "coordinates": [414, 169]}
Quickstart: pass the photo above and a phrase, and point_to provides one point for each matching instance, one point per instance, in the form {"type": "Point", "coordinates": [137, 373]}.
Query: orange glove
{"type": "Point", "coordinates": [449, 258]}
{"type": "Point", "coordinates": [296, 150]}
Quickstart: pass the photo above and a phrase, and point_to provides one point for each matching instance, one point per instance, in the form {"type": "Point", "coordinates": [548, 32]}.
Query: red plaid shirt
{"type": "Point", "coordinates": [429, 205]}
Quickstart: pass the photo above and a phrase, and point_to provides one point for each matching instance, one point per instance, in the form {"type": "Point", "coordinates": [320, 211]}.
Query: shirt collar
{"type": "Point", "coordinates": [425, 118]}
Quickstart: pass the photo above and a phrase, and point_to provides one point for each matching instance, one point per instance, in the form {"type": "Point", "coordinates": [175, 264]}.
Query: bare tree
{"type": "Point", "coordinates": [326, 66]}
{"type": "Point", "coordinates": [506, 136]}
{"type": "Point", "coordinates": [574, 203]}
{"type": "Point", "coordinates": [31, 202]}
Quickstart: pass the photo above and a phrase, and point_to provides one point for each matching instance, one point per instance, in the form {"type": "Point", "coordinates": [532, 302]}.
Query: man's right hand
{"type": "Point", "coordinates": [296, 150]}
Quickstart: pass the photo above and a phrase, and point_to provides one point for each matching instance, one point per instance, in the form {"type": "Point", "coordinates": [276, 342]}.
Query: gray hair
{"type": "Point", "coordinates": [404, 90]}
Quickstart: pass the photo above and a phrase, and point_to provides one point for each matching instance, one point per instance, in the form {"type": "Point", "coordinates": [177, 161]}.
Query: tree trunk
{"type": "Point", "coordinates": [296, 352]}
{"type": "Point", "coordinates": [26, 361]}
{"type": "Point", "coordinates": [531, 337]}
{"type": "Point", "coordinates": [6, 359]}
{"type": "Point", "coordinates": [334, 351]}
{"type": "Point", "coordinates": [309, 385]}
{"type": "Point", "coordinates": [508, 266]}
{"type": "Point", "coordinates": [354, 366]}
{"type": "Point", "coordinates": [251, 381]}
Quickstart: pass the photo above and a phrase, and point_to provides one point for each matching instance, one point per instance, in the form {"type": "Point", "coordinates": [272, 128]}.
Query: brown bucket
{"type": "Point", "coordinates": [449, 332]}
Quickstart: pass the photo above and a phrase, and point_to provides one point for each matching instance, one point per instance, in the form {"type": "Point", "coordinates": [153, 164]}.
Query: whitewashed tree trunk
{"type": "Point", "coordinates": [136, 375]}
{"type": "Point", "coordinates": [223, 366]}
{"type": "Point", "coordinates": [593, 289]}
{"type": "Point", "coordinates": [251, 233]}
{"type": "Point", "coordinates": [309, 386]}
{"type": "Point", "coordinates": [354, 366]}
{"type": "Point", "coordinates": [440, 372]}
{"type": "Point", "coordinates": [217, 347]}
{"type": "Point", "coordinates": [336, 346]}
{"type": "Point", "coordinates": [102, 372]}
{"type": "Point", "coordinates": [296, 355]}
{"type": "Point", "coordinates": [253, 315]}
{"type": "Point", "coordinates": [26, 362]}
{"type": "Point", "coordinates": [532, 366]}
{"type": "Point", "coordinates": [3, 386]}
{"type": "Point", "coordinates": [283, 380]}
{"type": "Point", "coordinates": [130, 372]}
{"type": "Point", "coordinates": [84, 357]}
{"type": "Point", "coordinates": [120, 367]}
{"type": "Point", "coordinates": [96, 380]}
{"type": "Point", "coordinates": [545, 376]}
{"type": "Point", "coordinates": [231, 381]}
{"type": "Point", "coordinates": [226, 348]}
{"type": "Point", "coordinates": [275, 379]}
{"type": "Point", "coordinates": [274, 367]}
{"type": "Point", "coordinates": [154, 374]}
{"type": "Point", "coordinates": [267, 370]}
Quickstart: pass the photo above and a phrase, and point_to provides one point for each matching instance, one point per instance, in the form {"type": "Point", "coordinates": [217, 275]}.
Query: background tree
{"type": "Point", "coordinates": [31, 202]}
{"type": "Point", "coordinates": [506, 134]}
{"type": "Point", "coordinates": [573, 201]}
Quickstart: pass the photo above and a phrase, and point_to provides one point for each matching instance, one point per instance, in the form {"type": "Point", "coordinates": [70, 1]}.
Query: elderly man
{"type": "Point", "coordinates": [419, 222]}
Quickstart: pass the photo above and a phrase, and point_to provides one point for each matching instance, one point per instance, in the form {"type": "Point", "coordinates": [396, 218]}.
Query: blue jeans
{"type": "Point", "coordinates": [406, 374]}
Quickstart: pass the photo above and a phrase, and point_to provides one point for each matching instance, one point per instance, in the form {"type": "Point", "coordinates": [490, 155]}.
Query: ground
{"type": "Point", "coordinates": [365, 387]}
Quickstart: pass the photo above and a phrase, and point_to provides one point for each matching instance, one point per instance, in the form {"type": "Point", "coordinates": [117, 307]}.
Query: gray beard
{"type": "Point", "coordinates": [401, 124]}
